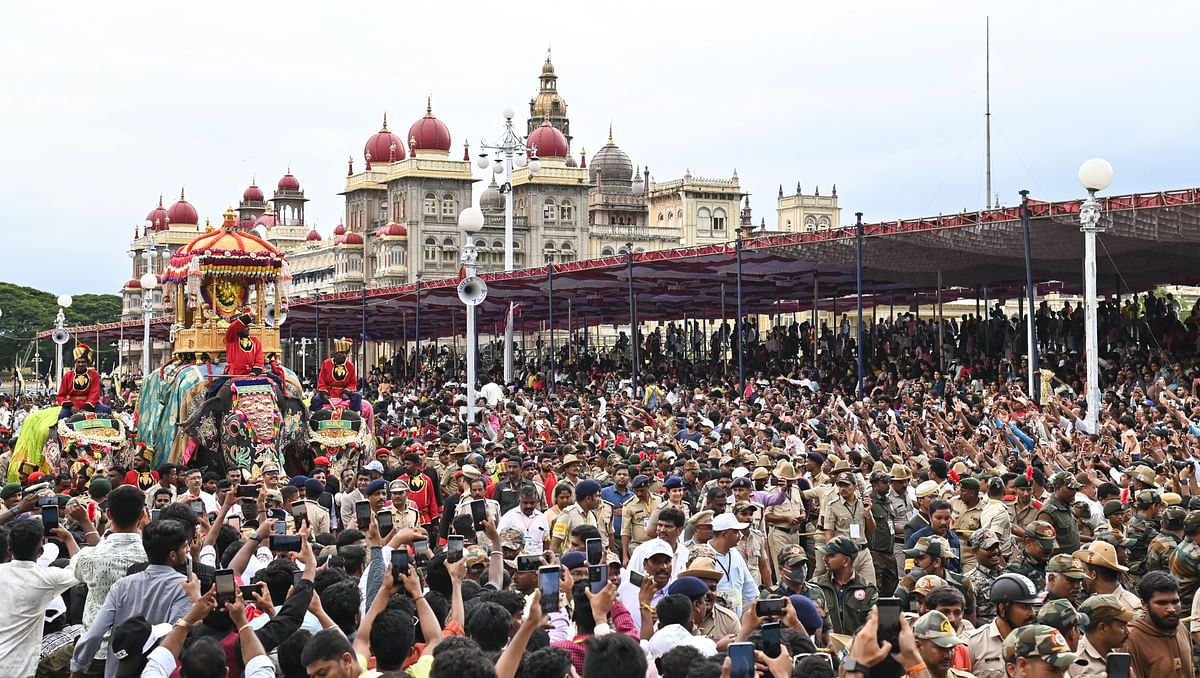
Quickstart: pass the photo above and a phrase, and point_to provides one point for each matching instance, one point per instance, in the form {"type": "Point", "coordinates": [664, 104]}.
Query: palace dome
{"type": "Point", "coordinates": [253, 192]}
{"type": "Point", "coordinates": [340, 230]}
{"type": "Point", "coordinates": [379, 147]}
{"type": "Point", "coordinates": [612, 164]}
{"type": "Point", "coordinates": [183, 212]}
{"type": "Point", "coordinates": [490, 199]}
{"type": "Point", "coordinates": [392, 230]}
{"type": "Point", "coordinates": [313, 236]}
{"type": "Point", "coordinates": [549, 142]}
{"type": "Point", "coordinates": [158, 217]}
{"type": "Point", "coordinates": [288, 182]}
{"type": "Point", "coordinates": [429, 133]}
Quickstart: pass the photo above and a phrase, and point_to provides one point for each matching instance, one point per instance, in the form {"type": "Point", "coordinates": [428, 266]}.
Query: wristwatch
{"type": "Point", "coordinates": [853, 666]}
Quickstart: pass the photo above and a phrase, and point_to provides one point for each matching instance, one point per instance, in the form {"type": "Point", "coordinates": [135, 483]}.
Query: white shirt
{"type": "Point", "coordinates": [26, 593]}
{"type": "Point", "coordinates": [492, 392]}
{"type": "Point", "coordinates": [675, 635]}
{"type": "Point", "coordinates": [737, 585]}
{"type": "Point", "coordinates": [160, 663]}
{"type": "Point", "coordinates": [534, 527]}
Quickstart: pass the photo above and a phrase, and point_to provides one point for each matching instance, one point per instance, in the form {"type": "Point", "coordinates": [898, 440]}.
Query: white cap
{"type": "Point", "coordinates": [728, 521]}
{"type": "Point", "coordinates": [926, 488]}
{"type": "Point", "coordinates": [656, 547]}
{"type": "Point", "coordinates": [707, 422]}
{"type": "Point", "coordinates": [740, 472]}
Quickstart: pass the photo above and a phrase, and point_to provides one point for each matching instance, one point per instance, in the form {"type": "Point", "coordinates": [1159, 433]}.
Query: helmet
{"type": "Point", "coordinates": [1011, 587]}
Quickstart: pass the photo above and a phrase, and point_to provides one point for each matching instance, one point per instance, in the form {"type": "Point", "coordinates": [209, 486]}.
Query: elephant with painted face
{"type": "Point", "coordinates": [250, 420]}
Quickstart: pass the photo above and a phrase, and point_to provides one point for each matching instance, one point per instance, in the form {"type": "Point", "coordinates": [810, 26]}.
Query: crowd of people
{"type": "Point", "coordinates": [672, 523]}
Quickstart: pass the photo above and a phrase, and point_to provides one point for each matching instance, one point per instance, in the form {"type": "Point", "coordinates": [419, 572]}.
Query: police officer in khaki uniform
{"type": "Point", "coordinates": [785, 520]}
{"type": "Point", "coordinates": [966, 511]}
{"type": "Point", "coordinates": [720, 621]}
{"type": "Point", "coordinates": [404, 514]}
{"type": "Point", "coordinates": [635, 516]}
{"type": "Point", "coordinates": [588, 509]}
{"type": "Point", "coordinates": [850, 516]}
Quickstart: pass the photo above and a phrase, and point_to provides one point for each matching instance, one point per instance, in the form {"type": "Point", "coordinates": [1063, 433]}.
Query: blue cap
{"type": "Point", "coordinates": [692, 587]}
{"type": "Point", "coordinates": [586, 488]}
{"type": "Point", "coordinates": [298, 481]}
{"type": "Point", "coordinates": [574, 559]}
{"type": "Point", "coordinates": [806, 612]}
{"type": "Point", "coordinates": [816, 457]}
{"type": "Point", "coordinates": [640, 481]}
{"type": "Point", "coordinates": [314, 485]}
{"type": "Point", "coordinates": [673, 482]}
{"type": "Point", "coordinates": [375, 486]}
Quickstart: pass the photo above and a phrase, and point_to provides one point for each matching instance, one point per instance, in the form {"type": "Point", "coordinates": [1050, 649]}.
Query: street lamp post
{"type": "Point", "coordinates": [1095, 175]}
{"type": "Point", "coordinates": [64, 301]}
{"type": "Point", "coordinates": [470, 220]}
{"type": "Point", "coordinates": [149, 281]}
{"type": "Point", "coordinates": [510, 151]}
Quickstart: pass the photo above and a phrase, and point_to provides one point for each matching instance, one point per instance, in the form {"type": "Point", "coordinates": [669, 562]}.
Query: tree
{"type": "Point", "coordinates": [27, 311]}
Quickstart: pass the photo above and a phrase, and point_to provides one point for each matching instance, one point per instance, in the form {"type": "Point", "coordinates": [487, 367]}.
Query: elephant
{"type": "Point", "coordinates": [342, 435]}
{"type": "Point", "coordinates": [250, 420]}
{"type": "Point", "coordinates": [66, 446]}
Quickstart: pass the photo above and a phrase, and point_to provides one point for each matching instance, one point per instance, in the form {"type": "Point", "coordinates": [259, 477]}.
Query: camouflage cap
{"type": "Point", "coordinates": [928, 583]}
{"type": "Point", "coordinates": [793, 554]}
{"type": "Point", "coordinates": [1043, 532]}
{"type": "Point", "coordinates": [1101, 606]}
{"type": "Point", "coordinates": [843, 545]}
{"type": "Point", "coordinates": [983, 539]}
{"type": "Point", "coordinates": [1148, 498]}
{"type": "Point", "coordinates": [1113, 506]}
{"type": "Point", "coordinates": [1194, 503]}
{"type": "Point", "coordinates": [1109, 537]}
{"type": "Point", "coordinates": [934, 627]}
{"type": "Point", "coordinates": [880, 477]}
{"type": "Point", "coordinates": [933, 545]}
{"type": "Point", "coordinates": [1173, 517]}
{"type": "Point", "coordinates": [1083, 510]}
{"type": "Point", "coordinates": [1038, 641]}
{"type": "Point", "coordinates": [476, 556]}
{"type": "Point", "coordinates": [1060, 614]}
{"type": "Point", "coordinates": [1192, 522]}
{"type": "Point", "coordinates": [512, 538]}
{"type": "Point", "coordinates": [1064, 479]}
{"type": "Point", "coordinates": [1067, 565]}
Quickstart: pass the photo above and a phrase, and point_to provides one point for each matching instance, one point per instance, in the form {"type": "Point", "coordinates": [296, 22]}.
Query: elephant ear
{"type": "Point", "coordinates": [204, 424]}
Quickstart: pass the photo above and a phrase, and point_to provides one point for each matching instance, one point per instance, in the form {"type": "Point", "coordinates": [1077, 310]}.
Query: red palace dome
{"type": "Point", "coordinates": [340, 230]}
{"type": "Point", "coordinates": [549, 142]}
{"type": "Point", "coordinates": [350, 239]}
{"type": "Point", "coordinates": [392, 230]}
{"type": "Point", "coordinates": [158, 217]}
{"type": "Point", "coordinates": [429, 133]}
{"type": "Point", "coordinates": [252, 193]}
{"type": "Point", "coordinates": [379, 146]}
{"type": "Point", "coordinates": [313, 236]}
{"type": "Point", "coordinates": [288, 182]}
{"type": "Point", "coordinates": [183, 212]}
{"type": "Point", "coordinates": [134, 284]}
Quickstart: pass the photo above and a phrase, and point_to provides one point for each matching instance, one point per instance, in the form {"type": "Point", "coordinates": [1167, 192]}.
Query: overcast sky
{"type": "Point", "coordinates": [107, 106]}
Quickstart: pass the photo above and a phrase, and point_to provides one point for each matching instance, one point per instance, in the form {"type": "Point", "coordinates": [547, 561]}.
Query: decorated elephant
{"type": "Point", "coordinates": [342, 435]}
{"type": "Point", "coordinates": [250, 420]}
{"type": "Point", "coordinates": [71, 445]}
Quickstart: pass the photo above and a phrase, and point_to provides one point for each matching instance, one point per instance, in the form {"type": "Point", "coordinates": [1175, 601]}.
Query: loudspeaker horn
{"type": "Point", "coordinates": [61, 336]}
{"type": "Point", "coordinates": [472, 290]}
{"type": "Point", "coordinates": [273, 318]}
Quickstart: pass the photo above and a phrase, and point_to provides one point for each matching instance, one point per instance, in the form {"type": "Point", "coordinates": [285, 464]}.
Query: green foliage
{"type": "Point", "coordinates": [27, 311]}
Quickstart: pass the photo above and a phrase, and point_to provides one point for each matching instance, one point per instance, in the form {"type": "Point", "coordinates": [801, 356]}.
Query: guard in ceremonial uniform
{"type": "Point", "coordinates": [1040, 543]}
{"type": "Point", "coordinates": [1024, 508]}
{"type": "Point", "coordinates": [79, 390]}
{"type": "Point", "coordinates": [635, 515]}
{"type": "Point", "coordinates": [1158, 556]}
{"type": "Point", "coordinates": [243, 353]}
{"type": "Point", "coordinates": [1142, 530]}
{"type": "Point", "coordinates": [1059, 512]}
{"type": "Point", "coordinates": [337, 379]}
{"type": "Point", "coordinates": [141, 474]}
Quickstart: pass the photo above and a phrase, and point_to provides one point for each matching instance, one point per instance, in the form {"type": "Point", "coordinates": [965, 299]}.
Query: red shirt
{"type": "Point", "coordinates": [81, 390]}
{"type": "Point", "coordinates": [242, 356]}
{"type": "Point", "coordinates": [334, 378]}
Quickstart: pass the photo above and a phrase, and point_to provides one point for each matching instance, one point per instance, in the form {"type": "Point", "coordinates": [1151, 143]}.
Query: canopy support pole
{"type": "Point", "coordinates": [550, 323]}
{"type": "Point", "coordinates": [1031, 327]}
{"type": "Point", "coordinates": [858, 341]}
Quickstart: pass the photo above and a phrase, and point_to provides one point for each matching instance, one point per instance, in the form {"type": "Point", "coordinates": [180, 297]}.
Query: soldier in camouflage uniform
{"type": "Point", "coordinates": [1060, 614]}
{"type": "Point", "coordinates": [1185, 561]}
{"type": "Point", "coordinates": [1158, 557]}
{"type": "Point", "coordinates": [987, 567]}
{"type": "Point", "coordinates": [1058, 512]}
{"type": "Point", "coordinates": [1040, 542]}
{"type": "Point", "coordinates": [930, 554]}
{"type": "Point", "coordinates": [1064, 578]}
{"type": "Point", "coordinates": [936, 641]}
{"type": "Point", "coordinates": [1142, 530]}
{"type": "Point", "coordinates": [1083, 520]}
{"type": "Point", "coordinates": [1038, 641]}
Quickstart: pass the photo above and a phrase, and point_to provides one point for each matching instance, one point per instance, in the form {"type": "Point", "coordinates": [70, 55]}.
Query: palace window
{"type": "Point", "coordinates": [704, 220]}
{"type": "Point", "coordinates": [823, 223]}
{"type": "Point", "coordinates": [566, 211]}
{"type": "Point", "coordinates": [718, 222]}
{"type": "Point", "coordinates": [431, 205]}
{"type": "Point", "coordinates": [449, 206]}
{"type": "Point", "coordinates": [431, 251]}
{"type": "Point", "coordinates": [606, 251]}
{"type": "Point", "coordinates": [810, 223]}
{"type": "Point", "coordinates": [548, 210]}
{"type": "Point", "coordinates": [660, 218]}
